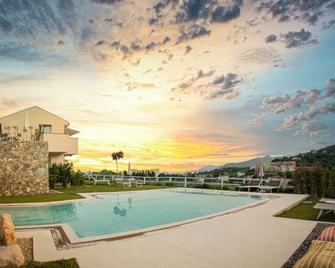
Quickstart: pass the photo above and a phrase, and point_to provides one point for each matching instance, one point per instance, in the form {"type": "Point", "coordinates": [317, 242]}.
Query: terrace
{"type": "Point", "coordinates": [250, 237]}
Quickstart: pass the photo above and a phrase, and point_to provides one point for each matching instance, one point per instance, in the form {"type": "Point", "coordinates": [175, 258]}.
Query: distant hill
{"type": "Point", "coordinates": [245, 164]}
{"type": "Point", "coordinates": [324, 156]}
{"type": "Point", "coordinates": [208, 168]}
{"type": "Point", "coordinates": [249, 163]}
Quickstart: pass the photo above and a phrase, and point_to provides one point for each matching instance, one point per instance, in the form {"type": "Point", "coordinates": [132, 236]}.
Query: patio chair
{"type": "Point", "coordinates": [328, 207]}
{"type": "Point", "coordinates": [103, 180]}
{"type": "Point", "coordinates": [123, 182]}
{"type": "Point", "coordinates": [252, 184]}
{"type": "Point", "coordinates": [135, 182]}
{"type": "Point", "coordinates": [273, 184]}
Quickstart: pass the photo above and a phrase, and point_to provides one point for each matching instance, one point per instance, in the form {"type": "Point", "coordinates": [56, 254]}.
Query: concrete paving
{"type": "Point", "coordinates": [250, 238]}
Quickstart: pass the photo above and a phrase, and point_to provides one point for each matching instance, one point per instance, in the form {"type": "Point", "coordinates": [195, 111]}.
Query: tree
{"type": "Point", "coordinates": [116, 156]}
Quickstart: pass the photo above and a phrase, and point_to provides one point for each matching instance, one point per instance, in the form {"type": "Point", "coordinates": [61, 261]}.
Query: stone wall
{"type": "Point", "coordinates": [23, 168]}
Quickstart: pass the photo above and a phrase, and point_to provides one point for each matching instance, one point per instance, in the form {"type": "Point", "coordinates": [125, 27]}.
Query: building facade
{"type": "Point", "coordinates": [37, 124]}
{"type": "Point", "coordinates": [273, 167]}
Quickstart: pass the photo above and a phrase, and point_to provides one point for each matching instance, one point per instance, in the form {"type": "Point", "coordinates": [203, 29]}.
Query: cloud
{"type": "Point", "coordinates": [28, 18]}
{"type": "Point", "coordinates": [294, 119]}
{"type": "Point", "coordinates": [193, 10]}
{"type": "Point", "coordinates": [270, 38]}
{"type": "Point", "coordinates": [313, 128]}
{"type": "Point", "coordinates": [257, 119]}
{"type": "Point", "coordinates": [150, 46]}
{"type": "Point", "coordinates": [279, 104]}
{"type": "Point", "coordinates": [138, 85]}
{"type": "Point", "coordinates": [192, 32]}
{"type": "Point", "coordinates": [222, 86]}
{"type": "Point", "coordinates": [159, 8]}
{"type": "Point", "coordinates": [307, 11]}
{"type": "Point", "coordinates": [188, 48]}
{"type": "Point", "coordinates": [166, 40]}
{"type": "Point", "coordinates": [106, 2]}
{"type": "Point", "coordinates": [224, 14]}
{"type": "Point", "coordinates": [227, 94]}
{"type": "Point", "coordinates": [6, 103]}
{"type": "Point", "coordinates": [298, 38]}
{"type": "Point", "coordinates": [330, 88]}
{"type": "Point", "coordinates": [202, 74]}
{"type": "Point", "coordinates": [100, 43]}
{"type": "Point", "coordinates": [20, 52]}
{"type": "Point", "coordinates": [226, 81]}
{"type": "Point", "coordinates": [303, 119]}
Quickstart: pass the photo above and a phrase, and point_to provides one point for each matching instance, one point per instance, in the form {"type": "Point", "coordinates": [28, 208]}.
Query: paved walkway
{"type": "Point", "coordinates": [248, 238]}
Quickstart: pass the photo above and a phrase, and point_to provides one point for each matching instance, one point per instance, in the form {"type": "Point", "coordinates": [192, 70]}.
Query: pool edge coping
{"type": "Point", "coordinates": [70, 235]}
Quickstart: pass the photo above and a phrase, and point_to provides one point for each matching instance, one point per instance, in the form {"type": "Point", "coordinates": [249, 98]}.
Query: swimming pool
{"type": "Point", "coordinates": [115, 213]}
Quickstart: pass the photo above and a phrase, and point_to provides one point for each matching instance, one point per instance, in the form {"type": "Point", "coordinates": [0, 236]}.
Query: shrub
{"type": "Point", "coordinates": [316, 181]}
{"type": "Point", "coordinates": [77, 178]}
{"type": "Point", "coordinates": [64, 174]}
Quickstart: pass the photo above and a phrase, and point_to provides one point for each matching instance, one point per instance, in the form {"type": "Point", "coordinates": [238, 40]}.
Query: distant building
{"type": "Point", "coordinates": [285, 166]}
{"type": "Point", "coordinates": [36, 124]}
{"type": "Point", "coordinates": [240, 174]}
{"type": "Point", "coordinates": [273, 167]}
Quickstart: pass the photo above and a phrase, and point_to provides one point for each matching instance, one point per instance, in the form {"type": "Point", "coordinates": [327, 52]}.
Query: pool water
{"type": "Point", "coordinates": [115, 213]}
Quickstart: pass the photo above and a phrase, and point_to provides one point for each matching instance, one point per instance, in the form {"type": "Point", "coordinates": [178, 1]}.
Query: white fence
{"type": "Point", "coordinates": [184, 181]}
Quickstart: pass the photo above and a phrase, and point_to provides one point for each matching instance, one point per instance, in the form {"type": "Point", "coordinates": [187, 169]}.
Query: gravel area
{"type": "Point", "coordinates": [26, 245]}
{"type": "Point", "coordinates": [301, 251]}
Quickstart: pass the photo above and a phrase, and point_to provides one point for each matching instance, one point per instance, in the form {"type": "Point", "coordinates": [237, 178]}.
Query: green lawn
{"type": "Point", "coordinates": [71, 263]}
{"type": "Point", "coordinates": [72, 193]}
{"type": "Point", "coordinates": [305, 211]}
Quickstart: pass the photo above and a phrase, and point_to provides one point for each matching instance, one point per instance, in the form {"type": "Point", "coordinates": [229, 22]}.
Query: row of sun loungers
{"type": "Point", "coordinates": [262, 185]}
{"type": "Point", "coordinates": [124, 182]}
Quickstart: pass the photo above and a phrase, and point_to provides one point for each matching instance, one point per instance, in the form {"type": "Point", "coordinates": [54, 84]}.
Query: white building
{"type": "Point", "coordinates": [35, 123]}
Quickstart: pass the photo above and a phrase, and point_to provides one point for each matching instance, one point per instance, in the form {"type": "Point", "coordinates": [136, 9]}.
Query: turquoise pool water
{"type": "Point", "coordinates": [116, 213]}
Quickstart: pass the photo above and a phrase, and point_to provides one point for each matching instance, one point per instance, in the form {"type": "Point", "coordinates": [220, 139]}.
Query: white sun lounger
{"type": "Point", "coordinates": [135, 182]}
{"type": "Point", "coordinates": [122, 182]}
{"type": "Point", "coordinates": [327, 200]}
{"type": "Point", "coordinates": [254, 183]}
{"type": "Point", "coordinates": [324, 207]}
{"type": "Point", "coordinates": [97, 179]}
{"type": "Point", "coordinates": [273, 184]}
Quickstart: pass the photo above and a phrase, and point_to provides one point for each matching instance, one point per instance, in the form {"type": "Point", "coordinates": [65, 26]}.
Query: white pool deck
{"type": "Point", "coordinates": [252, 237]}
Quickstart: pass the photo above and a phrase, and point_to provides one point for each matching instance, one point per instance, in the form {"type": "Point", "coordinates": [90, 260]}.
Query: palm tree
{"type": "Point", "coordinates": [116, 156]}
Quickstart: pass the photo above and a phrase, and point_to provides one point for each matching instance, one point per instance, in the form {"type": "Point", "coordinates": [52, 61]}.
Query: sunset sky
{"type": "Point", "coordinates": [174, 84]}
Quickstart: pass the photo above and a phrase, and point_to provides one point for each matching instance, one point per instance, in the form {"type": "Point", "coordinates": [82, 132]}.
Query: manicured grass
{"type": "Point", "coordinates": [305, 211]}
{"type": "Point", "coordinates": [72, 193]}
{"type": "Point", "coordinates": [71, 263]}
{"type": "Point", "coordinates": [38, 198]}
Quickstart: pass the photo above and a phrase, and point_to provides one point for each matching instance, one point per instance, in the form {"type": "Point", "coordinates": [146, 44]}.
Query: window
{"type": "Point", "coordinates": [45, 128]}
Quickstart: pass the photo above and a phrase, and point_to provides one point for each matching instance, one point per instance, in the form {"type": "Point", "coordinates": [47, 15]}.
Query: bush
{"type": "Point", "coordinates": [316, 181]}
{"type": "Point", "coordinates": [77, 178]}
{"type": "Point", "coordinates": [65, 175]}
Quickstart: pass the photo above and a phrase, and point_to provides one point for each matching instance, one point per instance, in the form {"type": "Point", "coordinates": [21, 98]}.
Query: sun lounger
{"type": "Point", "coordinates": [122, 182]}
{"type": "Point", "coordinates": [135, 182]}
{"type": "Point", "coordinates": [273, 184]}
{"type": "Point", "coordinates": [97, 179]}
{"type": "Point", "coordinates": [324, 207]}
{"type": "Point", "coordinates": [252, 184]}
{"type": "Point", "coordinates": [327, 200]}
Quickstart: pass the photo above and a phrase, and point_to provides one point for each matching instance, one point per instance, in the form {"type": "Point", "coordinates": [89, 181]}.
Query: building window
{"type": "Point", "coordinates": [45, 128]}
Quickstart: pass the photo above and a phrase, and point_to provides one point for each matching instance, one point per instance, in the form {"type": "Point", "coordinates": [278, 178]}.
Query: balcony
{"type": "Point", "coordinates": [61, 143]}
